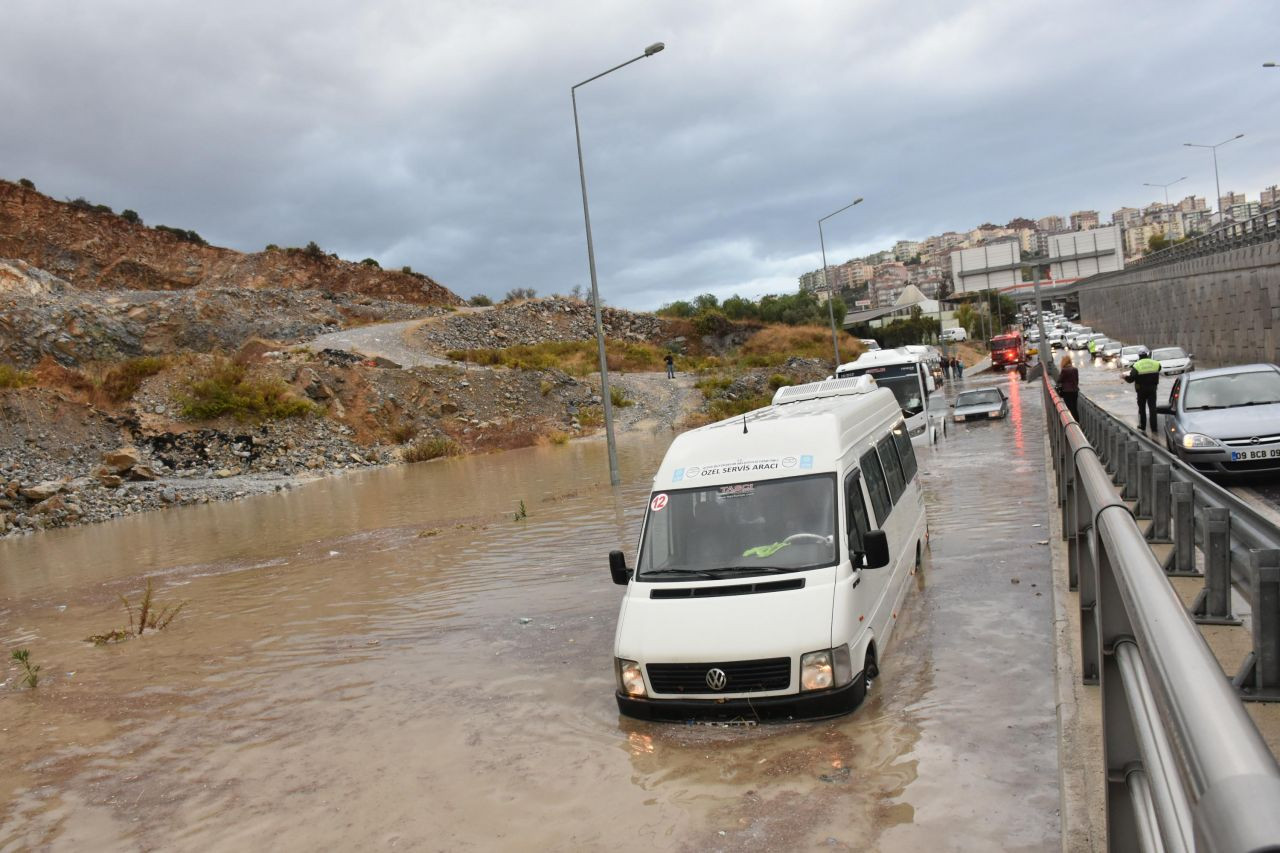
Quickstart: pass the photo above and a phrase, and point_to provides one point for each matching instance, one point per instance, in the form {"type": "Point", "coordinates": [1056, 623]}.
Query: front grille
{"type": "Point", "coordinates": [1249, 442]}
{"type": "Point", "coordinates": [743, 676]}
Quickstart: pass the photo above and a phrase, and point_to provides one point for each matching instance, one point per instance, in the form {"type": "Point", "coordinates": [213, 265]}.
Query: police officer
{"type": "Point", "coordinates": [1145, 376]}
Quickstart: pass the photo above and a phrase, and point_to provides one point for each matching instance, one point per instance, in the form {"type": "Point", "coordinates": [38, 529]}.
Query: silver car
{"type": "Point", "coordinates": [980, 404]}
{"type": "Point", "coordinates": [1226, 420]}
{"type": "Point", "coordinates": [1173, 361]}
{"type": "Point", "coordinates": [1129, 354]}
{"type": "Point", "coordinates": [1111, 351]}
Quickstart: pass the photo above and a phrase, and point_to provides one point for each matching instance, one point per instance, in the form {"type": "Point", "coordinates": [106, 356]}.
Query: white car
{"type": "Point", "coordinates": [1129, 354]}
{"type": "Point", "coordinates": [1174, 361]}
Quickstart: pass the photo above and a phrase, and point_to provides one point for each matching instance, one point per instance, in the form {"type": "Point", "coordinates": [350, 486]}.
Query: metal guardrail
{"type": "Point", "coordinates": [1186, 767]}
{"type": "Point", "coordinates": [1239, 547]}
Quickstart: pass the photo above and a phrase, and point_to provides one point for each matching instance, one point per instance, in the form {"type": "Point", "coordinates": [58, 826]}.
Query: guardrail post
{"type": "Point", "coordinates": [1111, 442]}
{"type": "Point", "coordinates": [1130, 492]}
{"type": "Point", "coordinates": [1259, 676]}
{"type": "Point", "coordinates": [1184, 529]}
{"type": "Point", "coordinates": [1119, 466]}
{"type": "Point", "coordinates": [1146, 459]}
{"type": "Point", "coordinates": [1120, 748]}
{"type": "Point", "coordinates": [1161, 475]}
{"type": "Point", "coordinates": [1213, 605]}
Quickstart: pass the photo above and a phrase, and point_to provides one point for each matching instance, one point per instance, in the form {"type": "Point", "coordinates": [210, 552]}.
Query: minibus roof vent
{"type": "Point", "coordinates": [825, 388]}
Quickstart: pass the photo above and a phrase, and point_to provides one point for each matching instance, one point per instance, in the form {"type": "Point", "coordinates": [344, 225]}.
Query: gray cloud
{"type": "Point", "coordinates": [440, 135]}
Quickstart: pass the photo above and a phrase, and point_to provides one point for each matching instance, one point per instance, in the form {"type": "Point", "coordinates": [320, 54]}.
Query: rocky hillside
{"type": "Point", "coordinates": [96, 249]}
{"type": "Point", "coordinates": [43, 315]}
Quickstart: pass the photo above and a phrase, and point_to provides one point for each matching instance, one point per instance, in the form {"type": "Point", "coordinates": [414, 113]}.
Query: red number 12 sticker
{"type": "Point", "coordinates": [658, 503]}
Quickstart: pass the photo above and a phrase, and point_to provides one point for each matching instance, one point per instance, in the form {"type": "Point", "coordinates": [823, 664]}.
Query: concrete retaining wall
{"type": "Point", "coordinates": [1225, 309]}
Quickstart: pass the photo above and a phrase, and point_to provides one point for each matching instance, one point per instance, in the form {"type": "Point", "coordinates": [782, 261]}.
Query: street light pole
{"type": "Point", "coordinates": [1214, 148]}
{"type": "Point", "coordinates": [831, 311]}
{"type": "Point", "coordinates": [606, 400]}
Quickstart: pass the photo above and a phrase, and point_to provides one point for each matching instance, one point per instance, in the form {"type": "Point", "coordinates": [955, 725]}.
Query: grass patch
{"type": "Point", "coordinates": [774, 344]}
{"type": "Point", "coordinates": [119, 382]}
{"type": "Point", "coordinates": [577, 358]}
{"type": "Point", "coordinates": [425, 449]}
{"type": "Point", "coordinates": [12, 377]}
{"type": "Point", "coordinates": [544, 387]}
{"type": "Point", "coordinates": [228, 389]}
{"type": "Point", "coordinates": [590, 417]}
{"type": "Point", "coordinates": [147, 615]}
{"type": "Point", "coordinates": [777, 380]}
{"type": "Point", "coordinates": [402, 432]}
{"type": "Point", "coordinates": [619, 398]}
{"type": "Point", "coordinates": [558, 436]}
{"type": "Point", "coordinates": [713, 384]}
{"type": "Point", "coordinates": [31, 672]}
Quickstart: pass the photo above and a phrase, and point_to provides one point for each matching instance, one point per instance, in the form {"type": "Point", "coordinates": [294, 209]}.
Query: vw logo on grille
{"type": "Point", "coordinates": [716, 679]}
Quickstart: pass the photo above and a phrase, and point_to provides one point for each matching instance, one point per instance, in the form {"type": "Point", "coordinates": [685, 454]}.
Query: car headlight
{"type": "Point", "coordinates": [1193, 440]}
{"type": "Point", "coordinates": [630, 678]}
{"type": "Point", "coordinates": [825, 669]}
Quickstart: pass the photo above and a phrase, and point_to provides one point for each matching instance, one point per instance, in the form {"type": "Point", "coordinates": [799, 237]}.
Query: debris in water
{"type": "Point", "coordinates": [333, 553]}
{"type": "Point", "coordinates": [525, 620]}
{"type": "Point", "coordinates": [1014, 580]}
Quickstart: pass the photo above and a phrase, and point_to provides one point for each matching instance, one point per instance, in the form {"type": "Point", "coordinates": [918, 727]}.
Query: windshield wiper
{"type": "Point", "coordinates": [1259, 403]}
{"type": "Point", "coordinates": [762, 570]}
{"type": "Point", "coordinates": [1202, 408]}
{"type": "Point", "coordinates": [696, 572]}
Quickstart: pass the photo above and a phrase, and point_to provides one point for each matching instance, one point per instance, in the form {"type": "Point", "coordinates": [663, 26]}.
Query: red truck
{"type": "Point", "coordinates": [1008, 350]}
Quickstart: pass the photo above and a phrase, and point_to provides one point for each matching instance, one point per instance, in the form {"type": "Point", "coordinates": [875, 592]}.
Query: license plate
{"type": "Point", "coordinates": [1247, 455]}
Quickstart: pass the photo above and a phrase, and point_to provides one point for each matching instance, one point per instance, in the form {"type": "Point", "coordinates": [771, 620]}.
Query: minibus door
{"type": "Point", "coordinates": [869, 584]}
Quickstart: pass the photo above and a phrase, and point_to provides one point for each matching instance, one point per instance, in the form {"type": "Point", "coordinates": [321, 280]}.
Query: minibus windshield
{"type": "Point", "coordinates": [756, 527]}
{"type": "Point", "coordinates": [902, 379]}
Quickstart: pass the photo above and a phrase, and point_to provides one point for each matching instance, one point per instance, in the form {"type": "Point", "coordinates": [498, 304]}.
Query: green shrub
{"type": "Point", "coordinates": [227, 389]}
{"type": "Point", "coordinates": [182, 234]}
{"type": "Point", "coordinates": [545, 387]}
{"type": "Point", "coordinates": [590, 417]}
{"type": "Point", "coordinates": [777, 380]}
{"type": "Point", "coordinates": [517, 293]}
{"type": "Point", "coordinates": [618, 398]}
{"type": "Point", "coordinates": [12, 377]}
{"type": "Point", "coordinates": [131, 216]}
{"type": "Point", "coordinates": [480, 301]}
{"type": "Point", "coordinates": [431, 448]}
{"type": "Point", "coordinates": [406, 269]}
{"type": "Point", "coordinates": [371, 262]}
{"type": "Point", "coordinates": [80, 203]}
{"type": "Point", "coordinates": [313, 250]}
{"type": "Point", "coordinates": [23, 182]}
{"type": "Point", "coordinates": [271, 247]}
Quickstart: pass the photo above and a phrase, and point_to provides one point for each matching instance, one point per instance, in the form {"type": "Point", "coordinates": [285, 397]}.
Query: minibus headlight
{"type": "Point", "coordinates": [630, 678]}
{"type": "Point", "coordinates": [816, 671]}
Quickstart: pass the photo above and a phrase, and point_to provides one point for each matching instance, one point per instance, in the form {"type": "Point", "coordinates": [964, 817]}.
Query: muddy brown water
{"type": "Point", "coordinates": [390, 660]}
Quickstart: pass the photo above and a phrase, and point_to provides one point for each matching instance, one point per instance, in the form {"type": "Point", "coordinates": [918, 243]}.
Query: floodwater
{"type": "Point", "coordinates": [391, 660]}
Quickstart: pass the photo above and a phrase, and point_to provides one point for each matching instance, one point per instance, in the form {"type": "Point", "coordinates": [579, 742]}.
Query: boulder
{"type": "Point", "coordinates": [142, 472]}
{"type": "Point", "coordinates": [109, 479]}
{"type": "Point", "coordinates": [42, 491]}
{"type": "Point", "coordinates": [121, 459]}
{"type": "Point", "coordinates": [51, 504]}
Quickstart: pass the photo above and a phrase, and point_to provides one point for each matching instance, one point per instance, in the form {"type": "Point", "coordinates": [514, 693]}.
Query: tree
{"type": "Point", "coordinates": [706, 302]}
{"type": "Point", "coordinates": [313, 250]}
{"type": "Point", "coordinates": [1156, 242]}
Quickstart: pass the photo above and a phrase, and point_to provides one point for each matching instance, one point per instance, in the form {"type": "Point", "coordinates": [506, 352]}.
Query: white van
{"type": "Point", "coordinates": [906, 372]}
{"type": "Point", "coordinates": [774, 558]}
{"type": "Point", "coordinates": [955, 334]}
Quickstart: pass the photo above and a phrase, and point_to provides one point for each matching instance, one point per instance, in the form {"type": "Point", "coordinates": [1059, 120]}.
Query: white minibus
{"type": "Point", "coordinates": [907, 373]}
{"type": "Point", "coordinates": [774, 558]}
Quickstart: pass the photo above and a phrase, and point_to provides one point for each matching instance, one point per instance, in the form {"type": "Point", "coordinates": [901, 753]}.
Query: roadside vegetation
{"type": "Point", "coordinates": [12, 377]}
{"type": "Point", "coordinates": [229, 389]}
{"type": "Point", "coordinates": [147, 615]}
{"type": "Point", "coordinates": [425, 449]}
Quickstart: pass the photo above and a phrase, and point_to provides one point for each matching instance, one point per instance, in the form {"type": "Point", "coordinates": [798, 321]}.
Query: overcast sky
{"type": "Point", "coordinates": [440, 134]}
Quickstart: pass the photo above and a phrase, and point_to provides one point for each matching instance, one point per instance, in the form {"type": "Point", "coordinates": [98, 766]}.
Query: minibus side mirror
{"type": "Point", "coordinates": [877, 549]}
{"type": "Point", "coordinates": [618, 568]}
{"type": "Point", "coordinates": [1164, 409]}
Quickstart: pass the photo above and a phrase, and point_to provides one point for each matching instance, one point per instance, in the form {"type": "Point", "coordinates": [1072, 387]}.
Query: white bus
{"type": "Point", "coordinates": [773, 561]}
{"type": "Point", "coordinates": [909, 376]}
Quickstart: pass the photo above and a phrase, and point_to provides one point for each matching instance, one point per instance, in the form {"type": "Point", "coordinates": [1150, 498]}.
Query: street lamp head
{"type": "Point", "coordinates": [1238, 136]}
{"type": "Point", "coordinates": [858, 200]}
{"type": "Point", "coordinates": [1268, 65]}
{"type": "Point", "coordinates": [656, 47]}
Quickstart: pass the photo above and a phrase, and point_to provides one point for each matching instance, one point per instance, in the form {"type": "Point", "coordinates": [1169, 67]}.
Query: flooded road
{"type": "Point", "coordinates": [391, 659]}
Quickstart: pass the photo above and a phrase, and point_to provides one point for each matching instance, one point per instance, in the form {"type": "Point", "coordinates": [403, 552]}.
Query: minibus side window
{"type": "Point", "coordinates": [855, 513]}
{"type": "Point", "coordinates": [876, 486]}
{"type": "Point", "coordinates": [906, 453]}
{"type": "Point", "coordinates": [892, 469]}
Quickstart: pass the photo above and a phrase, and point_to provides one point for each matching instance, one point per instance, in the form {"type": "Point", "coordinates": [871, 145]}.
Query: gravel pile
{"type": "Point", "coordinates": [534, 322]}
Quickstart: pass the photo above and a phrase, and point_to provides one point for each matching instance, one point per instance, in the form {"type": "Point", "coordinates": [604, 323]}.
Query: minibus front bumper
{"type": "Point", "coordinates": [793, 706]}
